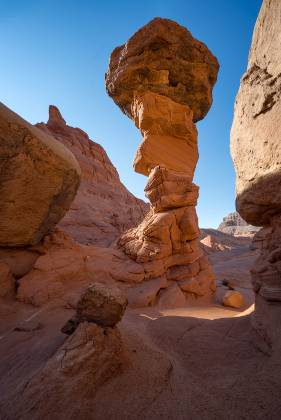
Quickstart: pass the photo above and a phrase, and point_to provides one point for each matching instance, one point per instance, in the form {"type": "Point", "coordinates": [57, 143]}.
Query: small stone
{"type": "Point", "coordinates": [102, 304]}
{"type": "Point", "coordinates": [233, 299]}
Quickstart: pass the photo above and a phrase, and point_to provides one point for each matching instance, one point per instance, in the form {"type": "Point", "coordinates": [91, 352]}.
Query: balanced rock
{"type": "Point", "coordinates": [102, 304]}
{"type": "Point", "coordinates": [38, 182]}
{"type": "Point", "coordinates": [164, 58]}
{"type": "Point", "coordinates": [162, 78]}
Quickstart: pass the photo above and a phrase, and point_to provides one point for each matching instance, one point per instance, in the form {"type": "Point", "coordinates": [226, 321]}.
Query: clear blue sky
{"type": "Point", "coordinates": [57, 51]}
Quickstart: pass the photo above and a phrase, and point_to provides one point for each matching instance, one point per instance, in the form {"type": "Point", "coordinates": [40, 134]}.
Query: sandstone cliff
{"type": "Point", "coordinates": [256, 151]}
{"type": "Point", "coordinates": [103, 207]}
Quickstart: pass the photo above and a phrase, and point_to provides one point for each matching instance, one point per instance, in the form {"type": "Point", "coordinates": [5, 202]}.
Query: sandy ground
{"type": "Point", "coordinates": [187, 363]}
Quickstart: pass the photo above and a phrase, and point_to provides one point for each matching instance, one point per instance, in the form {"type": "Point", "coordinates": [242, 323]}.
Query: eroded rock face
{"type": "Point", "coordinates": [255, 135]}
{"type": "Point", "coordinates": [38, 182]}
{"type": "Point", "coordinates": [255, 131]}
{"type": "Point", "coordinates": [164, 58]}
{"type": "Point", "coordinates": [88, 358]}
{"type": "Point", "coordinates": [103, 207]}
{"type": "Point", "coordinates": [162, 78]}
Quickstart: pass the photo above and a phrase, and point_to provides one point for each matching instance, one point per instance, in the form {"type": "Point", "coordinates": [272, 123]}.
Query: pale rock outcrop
{"type": "Point", "coordinates": [162, 78]}
{"type": "Point", "coordinates": [256, 151]}
{"type": "Point", "coordinates": [103, 207]}
{"type": "Point", "coordinates": [39, 179]}
{"type": "Point", "coordinates": [233, 224]}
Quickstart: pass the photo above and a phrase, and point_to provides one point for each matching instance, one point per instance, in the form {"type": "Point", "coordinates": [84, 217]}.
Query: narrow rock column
{"type": "Point", "coordinates": [164, 103]}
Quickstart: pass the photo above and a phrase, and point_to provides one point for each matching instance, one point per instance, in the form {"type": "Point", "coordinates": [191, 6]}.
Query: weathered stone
{"type": "Point", "coordinates": [102, 304]}
{"type": "Point", "coordinates": [86, 360]}
{"type": "Point", "coordinates": [103, 208]}
{"type": "Point", "coordinates": [169, 135]}
{"type": "Point", "coordinates": [39, 180]}
{"type": "Point", "coordinates": [165, 97]}
{"type": "Point", "coordinates": [145, 294]}
{"type": "Point", "coordinates": [255, 131]}
{"type": "Point", "coordinates": [168, 189]}
{"type": "Point", "coordinates": [164, 58]}
{"type": "Point", "coordinates": [256, 151]}
{"type": "Point", "coordinates": [172, 297]}
{"type": "Point", "coordinates": [66, 265]}
{"type": "Point", "coordinates": [233, 224]}
{"type": "Point", "coordinates": [233, 299]}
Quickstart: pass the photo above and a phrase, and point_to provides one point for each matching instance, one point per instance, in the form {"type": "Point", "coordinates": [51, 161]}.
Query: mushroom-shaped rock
{"type": "Point", "coordinates": [39, 178]}
{"type": "Point", "coordinates": [164, 58]}
{"type": "Point", "coordinates": [102, 304]}
{"type": "Point", "coordinates": [162, 78]}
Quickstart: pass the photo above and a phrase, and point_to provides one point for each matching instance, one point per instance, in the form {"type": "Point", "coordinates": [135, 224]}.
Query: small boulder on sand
{"type": "Point", "coordinates": [233, 299]}
{"type": "Point", "coordinates": [101, 304]}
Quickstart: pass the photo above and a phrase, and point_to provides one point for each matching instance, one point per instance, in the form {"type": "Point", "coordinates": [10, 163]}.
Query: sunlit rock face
{"type": "Point", "coordinates": [39, 178]}
{"type": "Point", "coordinates": [162, 78]}
{"type": "Point", "coordinates": [103, 207]}
{"type": "Point", "coordinates": [233, 224]}
{"type": "Point", "coordinates": [256, 152]}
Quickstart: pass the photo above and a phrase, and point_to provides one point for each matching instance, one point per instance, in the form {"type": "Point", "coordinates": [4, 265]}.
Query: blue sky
{"type": "Point", "coordinates": [56, 52]}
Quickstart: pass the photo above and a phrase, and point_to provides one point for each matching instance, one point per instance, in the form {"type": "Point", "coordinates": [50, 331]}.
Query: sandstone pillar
{"type": "Point", "coordinates": [162, 78]}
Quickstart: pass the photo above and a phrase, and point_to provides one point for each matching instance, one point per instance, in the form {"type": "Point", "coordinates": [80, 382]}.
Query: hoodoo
{"type": "Point", "coordinates": [162, 79]}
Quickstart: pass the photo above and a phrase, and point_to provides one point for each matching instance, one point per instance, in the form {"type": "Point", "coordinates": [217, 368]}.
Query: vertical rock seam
{"type": "Point", "coordinates": [162, 79]}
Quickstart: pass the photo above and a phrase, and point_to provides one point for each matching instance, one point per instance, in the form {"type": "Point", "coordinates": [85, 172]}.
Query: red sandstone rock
{"type": "Point", "coordinates": [103, 207]}
{"type": "Point", "coordinates": [145, 294]}
{"type": "Point", "coordinates": [164, 58]}
{"type": "Point", "coordinates": [162, 79]}
{"type": "Point", "coordinates": [255, 134]}
{"type": "Point", "coordinates": [169, 135]}
{"type": "Point", "coordinates": [90, 357]}
{"type": "Point", "coordinates": [38, 182]}
{"type": "Point", "coordinates": [65, 266]}
{"type": "Point", "coordinates": [255, 131]}
{"type": "Point", "coordinates": [168, 189]}
{"type": "Point", "coordinates": [172, 297]}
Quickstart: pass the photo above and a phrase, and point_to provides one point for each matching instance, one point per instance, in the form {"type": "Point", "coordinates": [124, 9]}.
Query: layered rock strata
{"type": "Point", "coordinates": [103, 208]}
{"type": "Point", "coordinates": [162, 78]}
{"type": "Point", "coordinates": [255, 135]}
